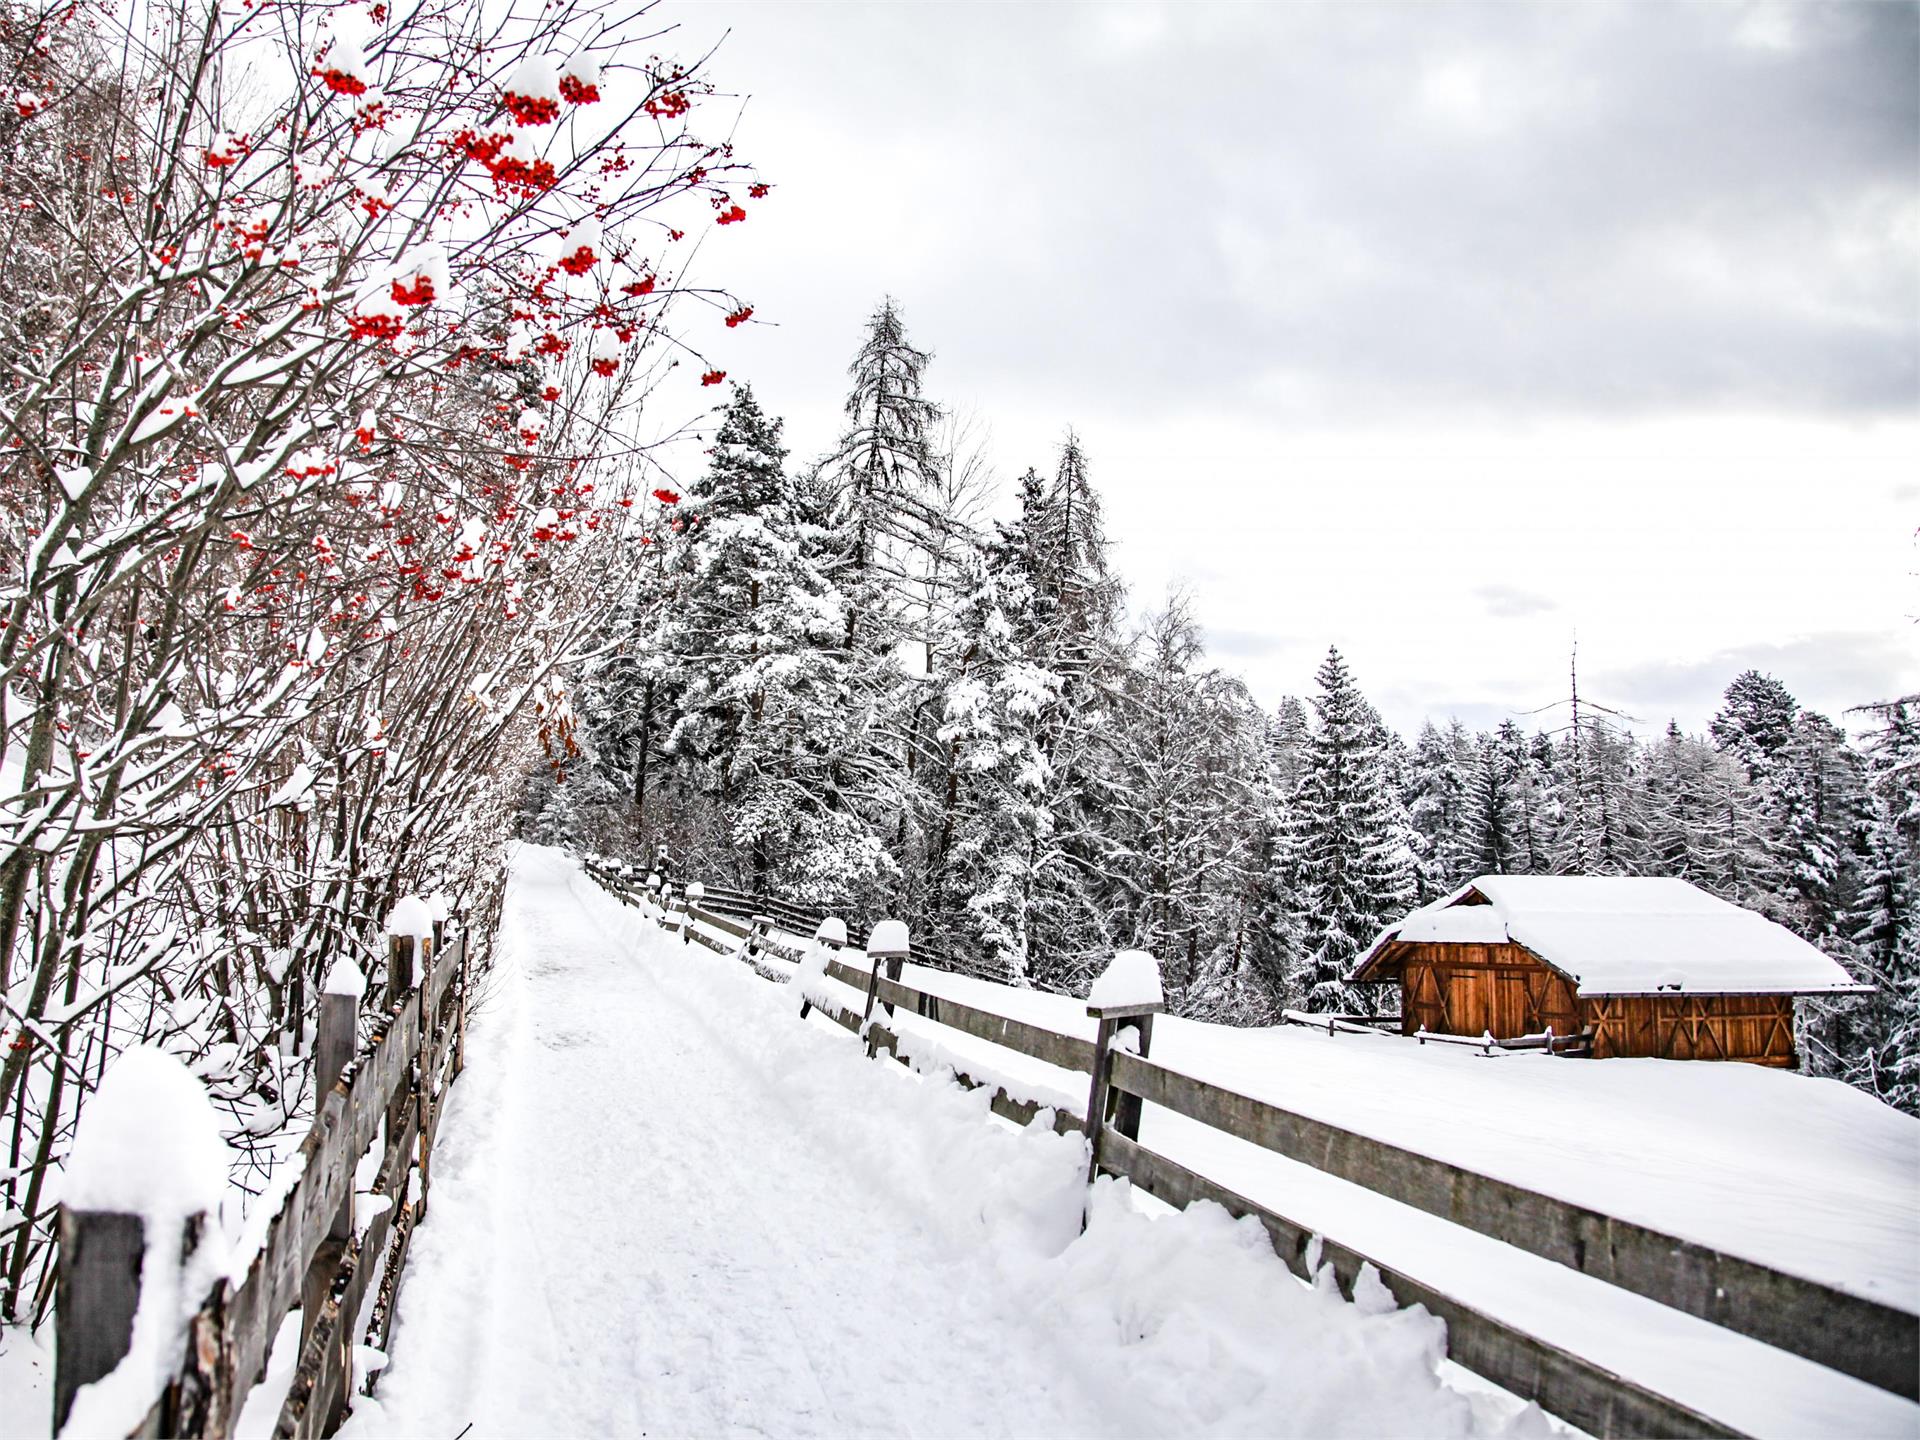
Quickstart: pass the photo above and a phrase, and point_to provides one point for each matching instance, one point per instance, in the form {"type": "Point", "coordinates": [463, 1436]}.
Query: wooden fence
{"type": "Point", "coordinates": [1858, 1337]}
{"type": "Point", "coordinates": [1577, 1043]}
{"type": "Point", "coordinates": [315, 1256]}
{"type": "Point", "coordinates": [718, 902]}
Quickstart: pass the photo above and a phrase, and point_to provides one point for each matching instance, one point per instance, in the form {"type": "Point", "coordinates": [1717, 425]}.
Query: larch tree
{"type": "Point", "coordinates": [1179, 852]}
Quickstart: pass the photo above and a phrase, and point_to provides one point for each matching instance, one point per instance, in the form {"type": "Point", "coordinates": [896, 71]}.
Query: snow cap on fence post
{"type": "Point", "coordinates": [410, 918]}
{"type": "Point", "coordinates": [409, 937]}
{"type": "Point", "coordinates": [140, 1240]}
{"type": "Point", "coordinates": [888, 941]}
{"type": "Point", "coordinates": [653, 881]}
{"type": "Point", "coordinates": [696, 892]}
{"type": "Point", "coordinates": [1130, 985]}
{"type": "Point", "coordinates": [886, 945]}
{"type": "Point", "coordinates": [148, 1143]}
{"type": "Point", "coordinates": [831, 931]}
{"type": "Point", "coordinates": [345, 978]}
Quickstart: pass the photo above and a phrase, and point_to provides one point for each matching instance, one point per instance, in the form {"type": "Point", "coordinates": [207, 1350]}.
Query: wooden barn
{"type": "Point", "coordinates": [1646, 966]}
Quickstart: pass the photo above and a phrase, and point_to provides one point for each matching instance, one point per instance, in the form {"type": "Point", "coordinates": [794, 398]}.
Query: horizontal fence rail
{"type": "Point", "coordinates": [1844, 1332]}
{"type": "Point", "coordinates": [1575, 1389]}
{"type": "Point", "coordinates": [1856, 1336]}
{"type": "Point", "coordinates": [312, 1257]}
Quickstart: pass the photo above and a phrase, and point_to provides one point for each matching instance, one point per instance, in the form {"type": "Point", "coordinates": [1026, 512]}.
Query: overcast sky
{"type": "Point", "coordinates": [1443, 333]}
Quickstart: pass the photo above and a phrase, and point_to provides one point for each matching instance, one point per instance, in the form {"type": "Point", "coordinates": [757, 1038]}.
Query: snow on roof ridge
{"type": "Point", "coordinates": [1595, 895]}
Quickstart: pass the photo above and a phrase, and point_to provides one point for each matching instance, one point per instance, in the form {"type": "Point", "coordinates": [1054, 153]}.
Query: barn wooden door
{"type": "Point", "coordinates": [1423, 1004]}
{"type": "Point", "coordinates": [1473, 1000]}
{"type": "Point", "coordinates": [1514, 1006]}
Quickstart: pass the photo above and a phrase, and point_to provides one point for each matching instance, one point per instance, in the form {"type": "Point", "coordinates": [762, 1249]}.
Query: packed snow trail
{"type": "Point", "coordinates": [663, 1204]}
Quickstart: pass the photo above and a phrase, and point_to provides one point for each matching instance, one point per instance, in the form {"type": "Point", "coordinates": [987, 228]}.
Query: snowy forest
{"type": "Point", "coordinates": [842, 682]}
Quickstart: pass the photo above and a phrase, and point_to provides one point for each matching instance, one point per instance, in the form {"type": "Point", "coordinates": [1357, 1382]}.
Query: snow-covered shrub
{"type": "Point", "coordinates": [275, 612]}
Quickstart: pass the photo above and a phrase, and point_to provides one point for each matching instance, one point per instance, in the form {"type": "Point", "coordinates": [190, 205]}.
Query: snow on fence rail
{"type": "Point", "coordinates": [1847, 1333]}
{"type": "Point", "coordinates": [314, 1257]}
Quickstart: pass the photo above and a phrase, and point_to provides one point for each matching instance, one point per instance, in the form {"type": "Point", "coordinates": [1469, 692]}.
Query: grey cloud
{"type": "Point", "coordinates": [1230, 645]}
{"type": "Point", "coordinates": [1364, 209]}
{"type": "Point", "coordinates": [1829, 672]}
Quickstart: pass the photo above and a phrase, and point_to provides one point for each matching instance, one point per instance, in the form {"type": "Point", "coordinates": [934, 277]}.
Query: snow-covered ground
{"type": "Point", "coordinates": [663, 1204]}
{"type": "Point", "coordinates": [1809, 1176]}
{"type": "Point", "coordinates": [1806, 1175]}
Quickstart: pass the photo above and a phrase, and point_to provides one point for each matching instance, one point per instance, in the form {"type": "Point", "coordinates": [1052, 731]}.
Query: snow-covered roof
{"type": "Point", "coordinates": [1624, 935]}
{"type": "Point", "coordinates": [1456, 924]}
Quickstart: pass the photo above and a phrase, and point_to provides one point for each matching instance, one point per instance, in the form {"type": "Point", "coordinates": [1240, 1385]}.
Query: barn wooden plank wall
{"type": "Point", "coordinates": [1756, 1028]}
{"type": "Point", "coordinates": [1507, 990]}
{"type": "Point", "coordinates": [1873, 1342]}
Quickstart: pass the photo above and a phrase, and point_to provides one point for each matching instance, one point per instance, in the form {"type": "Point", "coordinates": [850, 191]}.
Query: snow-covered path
{"type": "Point", "coordinates": [662, 1204]}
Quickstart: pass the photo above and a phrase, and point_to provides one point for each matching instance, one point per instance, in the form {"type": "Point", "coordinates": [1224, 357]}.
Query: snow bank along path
{"type": "Point", "coordinates": [665, 1205]}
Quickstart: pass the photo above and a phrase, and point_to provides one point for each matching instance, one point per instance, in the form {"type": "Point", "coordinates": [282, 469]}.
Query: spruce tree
{"type": "Point", "coordinates": [1353, 872]}
{"type": "Point", "coordinates": [752, 633]}
{"type": "Point", "coordinates": [1062, 548]}
{"type": "Point", "coordinates": [1493, 816]}
{"type": "Point", "coordinates": [1755, 720]}
{"type": "Point", "coordinates": [996, 706]}
{"type": "Point", "coordinates": [1440, 810]}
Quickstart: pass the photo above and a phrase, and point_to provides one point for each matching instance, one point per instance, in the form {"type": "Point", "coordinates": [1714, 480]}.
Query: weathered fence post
{"type": "Point", "coordinates": [1128, 989]}
{"type": "Point", "coordinates": [829, 938]}
{"type": "Point", "coordinates": [887, 946]}
{"type": "Point", "coordinates": [1126, 1110]}
{"type": "Point", "coordinates": [94, 1299]}
{"type": "Point", "coordinates": [691, 897]}
{"type": "Point", "coordinates": [333, 1049]}
{"type": "Point", "coordinates": [399, 981]}
{"type": "Point", "coordinates": [427, 1066]}
{"type": "Point", "coordinates": [149, 1132]}
{"type": "Point", "coordinates": [759, 932]}
{"type": "Point", "coordinates": [460, 1001]}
